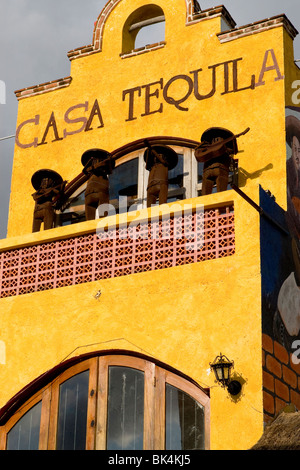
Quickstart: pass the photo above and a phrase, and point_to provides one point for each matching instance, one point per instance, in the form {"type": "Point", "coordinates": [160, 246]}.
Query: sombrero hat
{"type": "Point", "coordinates": [214, 132]}
{"type": "Point", "coordinates": [168, 153]}
{"type": "Point", "coordinates": [39, 175]}
{"type": "Point", "coordinates": [94, 153]}
{"type": "Point", "coordinates": [292, 125]}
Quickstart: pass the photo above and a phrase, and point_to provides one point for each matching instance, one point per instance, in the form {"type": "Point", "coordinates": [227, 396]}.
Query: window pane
{"type": "Point", "coordinates": [72, 414]}
{"type": "Point", "coordinates": [125, 422]}
{"type": "Point", "coordinates": [200, 171]}
{"type": "Point", "coordinates": [26, 432]}
{"type": "Point", "coordinates": [175, 177]}
{"type": "Point", "coordinates": [184, 421]}
{"type": "Point", "coordinates": [124, 182]}
{"type": "Point", "coordinates": [74, 212]}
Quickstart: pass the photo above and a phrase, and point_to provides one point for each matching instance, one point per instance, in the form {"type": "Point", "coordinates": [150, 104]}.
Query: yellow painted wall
{"type": "Point", "coordinates": [197, 310]}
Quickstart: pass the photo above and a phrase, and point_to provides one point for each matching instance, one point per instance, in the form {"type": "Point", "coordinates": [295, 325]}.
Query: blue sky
{"type": "Point", "coordinates": [35, 36]}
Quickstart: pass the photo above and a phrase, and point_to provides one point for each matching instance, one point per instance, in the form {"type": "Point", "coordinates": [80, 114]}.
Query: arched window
{"type": "Point", "coordinates": [144, 26]}
{"type": "Point", "coordinates": [128, 186]}
{"type": "Point", "coordinates": [111, 402]}
{"type": "Point", "coordinates": [129, 179]}
{"type": "Point", "coordinates": [25, 433]}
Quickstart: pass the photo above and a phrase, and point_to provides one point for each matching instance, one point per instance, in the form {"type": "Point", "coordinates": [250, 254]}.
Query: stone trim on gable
{"type": "Point", "coordinates": [142, 50]}
{"type": "Point", "coordinates": [43, 88]}
{"type": "Point", "coordinates": [258, 27]}
{"type": "Point", "coordinates": [191, 18]}
{"type": "Point", "coordinates": [213, 13]}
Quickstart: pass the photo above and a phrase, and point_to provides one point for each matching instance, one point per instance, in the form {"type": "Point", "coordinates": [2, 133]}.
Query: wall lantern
{"type": "Point", "coordinates": [222, 369]}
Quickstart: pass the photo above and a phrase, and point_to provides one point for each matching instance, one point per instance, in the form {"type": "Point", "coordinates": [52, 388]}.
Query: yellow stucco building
{"type": "Point", "coordinates": [109, 326]}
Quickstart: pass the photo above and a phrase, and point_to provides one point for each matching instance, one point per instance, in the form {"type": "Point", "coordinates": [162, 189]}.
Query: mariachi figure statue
{"type": "Point", "coordinates": [97, 165]}
{"type": "Point", "coordinates": [49, 185]}
{"type": "Point", "coordinates": [216, 150]}
{"type": "Point", "coordinates": [159, 160]}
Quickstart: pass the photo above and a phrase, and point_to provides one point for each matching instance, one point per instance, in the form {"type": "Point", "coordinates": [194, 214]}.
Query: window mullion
{"type": "Point", "coordinates": [53, 415]}
{"type": "Point", "coordinates": [143, 180]}
{"type": "Point", "coordinates": [3, 436]}
{"type": "Point", "coordinates": [187, 173]}
{"type": "Point", "coordinates": [101, 418]}
{"type": "Point", "coordinates": [45, 417]}
{"type": "Point", "coordinates": [194, 176]}
{"type": "Point", "coordinates": [92, 403]}
{"type": "Point", "coordinates": [159, 409]}
{"type": "Point", "coordinates": [149, 406]}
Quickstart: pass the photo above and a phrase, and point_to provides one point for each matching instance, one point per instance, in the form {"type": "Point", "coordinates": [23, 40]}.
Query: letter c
{"type": "Point", "coordinates": [34, 143]}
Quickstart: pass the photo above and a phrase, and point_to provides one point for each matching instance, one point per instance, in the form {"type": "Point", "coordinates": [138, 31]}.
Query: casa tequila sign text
{"type": "Point", "coordinates": [153, 97]}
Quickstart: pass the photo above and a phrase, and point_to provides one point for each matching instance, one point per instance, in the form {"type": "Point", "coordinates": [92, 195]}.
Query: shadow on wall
{"type": "Point", "coordinates": [244, 175]}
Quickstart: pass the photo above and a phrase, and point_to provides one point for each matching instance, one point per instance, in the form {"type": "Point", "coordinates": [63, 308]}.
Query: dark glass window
{"type": "Point", "coordinates": [75, 211]}
{"type": "Point", "coordinates": [200, 171]}
{"type": "Point", "coordinates": [184, 421]}
{"type": "Point", "coordinates": [72, 414]}
{"type": "Point", "coordinates": [123, 182]}
{"type": "Point", "coordinates": [25, 433]}
{"type": "Point", "coordinates": [111, 393]}
{"type": "Point", "coordinates": [125, 409]}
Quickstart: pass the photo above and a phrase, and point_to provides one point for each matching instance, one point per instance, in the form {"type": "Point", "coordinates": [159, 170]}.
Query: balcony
{"type": "Point", "coordinates": [117, 247]}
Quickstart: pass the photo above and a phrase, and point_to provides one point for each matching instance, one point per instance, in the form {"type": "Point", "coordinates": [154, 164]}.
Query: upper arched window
{"type": "Point", "coordinates": [144, 26]}
{"type": "Point", "coordinates": [128, 185]}
{"type": "Point", "coordinates": [115, 403]}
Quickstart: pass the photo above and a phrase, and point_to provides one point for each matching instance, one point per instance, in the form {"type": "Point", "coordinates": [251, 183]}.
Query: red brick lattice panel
{"type": "Point", "coordinates": [146, 246]}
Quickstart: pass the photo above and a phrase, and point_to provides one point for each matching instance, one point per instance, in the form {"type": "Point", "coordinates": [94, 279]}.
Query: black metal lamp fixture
{"type": "Point", "coordinates": [222, 369]}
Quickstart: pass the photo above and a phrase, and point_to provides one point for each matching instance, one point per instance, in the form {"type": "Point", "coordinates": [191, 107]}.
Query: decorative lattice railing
{"type": "Point", "coordinates": [146, 246]}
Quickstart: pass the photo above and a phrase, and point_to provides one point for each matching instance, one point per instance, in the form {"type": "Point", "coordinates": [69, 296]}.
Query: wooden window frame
{"type": "Point", "coordinates": [155, 380]}
{"type": "Point", "coordinates": [131, 362]}
{"type": "Point", "coordinates": [43, 396]}
{"type": "Point", "coordinates": [90, 364]}
{"type": "Point", "coordinates": [167, 377]}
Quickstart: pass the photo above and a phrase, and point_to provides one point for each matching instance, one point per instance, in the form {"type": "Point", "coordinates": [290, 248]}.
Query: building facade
{"type": "Point", "coordinates": [109, 325]}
